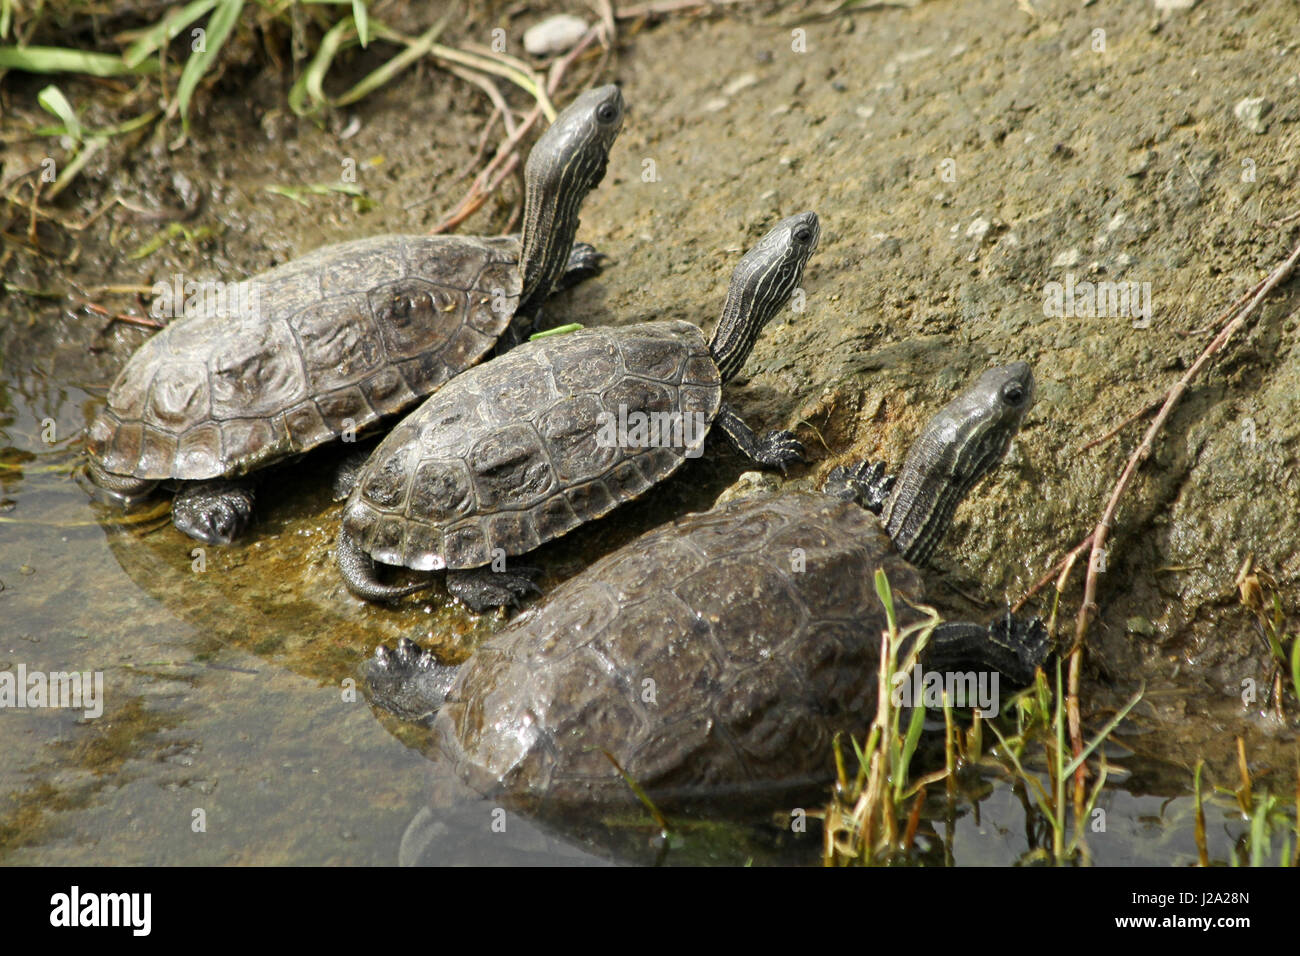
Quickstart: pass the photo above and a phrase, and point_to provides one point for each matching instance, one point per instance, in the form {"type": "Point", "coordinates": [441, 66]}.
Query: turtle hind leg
{"type": "Point", "coordinates": [358, 570]}
{"type": "Point", "coordinates": [408, 681]}
{"type": "Point", "coordinates": [214, 512]}
{"type": "Point", "coordinates": [348, 471]}
{"type": "Point", "coordinates": [774, 449]}
{"type": "Point", "coordinates": [120, 491]}
{"type": "Point", "coordinates": [483, 588]}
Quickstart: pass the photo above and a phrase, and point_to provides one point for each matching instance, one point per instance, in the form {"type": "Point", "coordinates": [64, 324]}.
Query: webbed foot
{"type": "Point", "coordinates": [865, 483]}
{"type": "Point", "coordinates": [214, 512]}
{"type": "Point", "coordinates": [408, 681]}
{"type": "Point", "coordinates": [483, 588]}
{"type": "Point", "coordinates": [778, 449]}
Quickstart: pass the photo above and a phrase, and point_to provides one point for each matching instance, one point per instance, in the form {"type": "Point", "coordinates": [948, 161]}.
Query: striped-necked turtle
{"type": "Point", "coordinates": [332, 342]}
{"type": "Point", "coordinates": [558, 432]}
{"type": "Point", "coordinates": [718, 656]}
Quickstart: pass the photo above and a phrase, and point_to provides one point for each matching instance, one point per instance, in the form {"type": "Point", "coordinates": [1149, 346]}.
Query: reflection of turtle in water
{"type": "Point", "coordinates": [334, 341]}
{"type": "Point", "coordinates": [716, 658]}
{"type": "Point", "coordinates": [524, 449]}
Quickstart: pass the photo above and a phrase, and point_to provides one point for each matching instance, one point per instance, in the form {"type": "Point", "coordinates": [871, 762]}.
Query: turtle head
{"type": "Point", "coordinates": [962, 444]}
{"type": "Point", "coordinates": [760, 286]}
{"type": "Point", "coordinates": [568, 162]}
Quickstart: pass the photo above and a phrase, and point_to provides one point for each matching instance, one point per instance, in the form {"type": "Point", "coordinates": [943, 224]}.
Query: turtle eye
{"type": "Point", "coordinates": [607, 113]}
{"type": "Point", "coordinates": [1013, 393]}
{"type": "Point", "coordinates": [803, 234]}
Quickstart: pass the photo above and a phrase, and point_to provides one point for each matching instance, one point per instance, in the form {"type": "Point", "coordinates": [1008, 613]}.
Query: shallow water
{"type": "Point", "coordinates": [228, 733]}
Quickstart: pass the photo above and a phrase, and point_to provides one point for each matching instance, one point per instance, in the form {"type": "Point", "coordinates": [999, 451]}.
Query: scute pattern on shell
{"type": "Point", "coordinates": [348, 334]}
{"type": "Point", "coordinates": [755, 665]}
{"type": "Point", "coordinates": [508, 456]}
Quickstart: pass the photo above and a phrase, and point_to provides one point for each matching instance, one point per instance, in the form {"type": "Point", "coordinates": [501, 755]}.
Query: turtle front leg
{"type": "Point", "coordinates": [864, 483]}
{"type": "Point", "coordinates": [482, 589]}
{"type": "Point", "coordinates": [408, 681]}
{"type": "Point", "coordinates": [1012, 647]}
{"type": "Point", "coordinates": [214, 512]}
{"type": "Point", "coordinates": [585, 262]}
{"type": "Point", "coordinates": [775, 449]}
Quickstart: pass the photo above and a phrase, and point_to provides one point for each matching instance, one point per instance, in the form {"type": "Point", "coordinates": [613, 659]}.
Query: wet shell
{"type": "Point", "coordinates": [508, 457]}
{"type": "Point", "coordinates": [335, 340]}
{"type": "Point", "coordinates": [718, 655]}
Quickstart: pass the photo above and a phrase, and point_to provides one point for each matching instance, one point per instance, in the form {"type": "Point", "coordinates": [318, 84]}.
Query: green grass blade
{"type": "Point", "coordinates": [164, 31]}
{"type": "Point", "coordinates": [382, 74]}
{"type": "Point", "coordinates": [1105, 732]}
{"type": "Point", "coordinates": [558, 330]}
{"type": "Point", "coordinates": [55, 59]}
{"type": "Point", "coordinates": [70, 171]}
{"type": "Point", "coordinates": [6, 17]}
{"type": "Point", "coordinates": [310, 86]}
{"type": "Point", "coordinates": [1295, 669]}
{"type": "Point", "coordinates": [219, 27]}
{"type": "Point", "coordinates": [362, 20]}
{"type": "Point", "coordinates": [53, 101]}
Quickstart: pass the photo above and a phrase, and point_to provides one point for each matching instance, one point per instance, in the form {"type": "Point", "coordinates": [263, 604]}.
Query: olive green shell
{"type": "Point", "coordinates": [510, 454]}
{"type": "Point", "coordinates": [717, 655]}
{"type": "Point", "coordinates": [336, 340]}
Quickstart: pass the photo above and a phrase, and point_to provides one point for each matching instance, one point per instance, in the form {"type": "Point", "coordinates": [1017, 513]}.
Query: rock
{"type": "Point", "coordinates": [978, 229]}
{"type": "Point", "coordinates": [1251, 112]}
{"type": "Point", "coordinates": [742, 82]}
{"type": "Point", "coordinates": [555, 34]}
{"type": "Point", "coordinates": [1168, 6]}
{"type": "Point", "coordinates": [750, 483]}
{"type": "Point", "coordinates": [1067, 259]}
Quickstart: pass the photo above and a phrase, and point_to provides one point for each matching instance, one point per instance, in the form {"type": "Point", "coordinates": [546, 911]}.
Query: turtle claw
{"type": "Point", "coordinates": [1028, 640]}
{"type": "Point", "coordinates": [214, 512]}
{"type": "Point", "coordinates": [779, 449]}
{"type": "Point", "coordinates": [482, 589]}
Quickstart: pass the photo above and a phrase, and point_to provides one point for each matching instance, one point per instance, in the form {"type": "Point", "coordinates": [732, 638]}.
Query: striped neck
{"type": "Point", "coordinates": [762, 283]}
{"type": "Point", "coordinates": [550, 225]}
{"type": "Point", "coordinates": [962, 444]}
{"type": "Point", "coordinates": [939, 472]}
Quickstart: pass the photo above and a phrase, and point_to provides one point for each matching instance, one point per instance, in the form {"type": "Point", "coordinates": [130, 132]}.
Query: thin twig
{"type": "Point", "coordinates": [1061, 568]}
{"type": "Point", "coordinates": [1102, 531]}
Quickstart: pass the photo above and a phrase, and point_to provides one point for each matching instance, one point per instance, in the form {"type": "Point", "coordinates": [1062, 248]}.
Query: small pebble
{"type": "Point", "coordinates": [742, 82]}
{"type": "Point", "coordinates": [1251, 112]}
{"type": "Point", "coordinates": [555, 34]}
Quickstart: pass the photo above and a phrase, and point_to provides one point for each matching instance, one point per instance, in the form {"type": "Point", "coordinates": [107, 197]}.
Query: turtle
{"type": "Point", "coordinates": [336, 340]}
{"type": "Point", "coordinates": [558, 432]}
{"type": "Point", "coordinates": [717, 657]}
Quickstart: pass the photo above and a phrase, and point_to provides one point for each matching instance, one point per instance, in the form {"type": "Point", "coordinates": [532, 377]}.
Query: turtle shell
{"type": "Point", "coordinates": [717, 656]}
{"type": "Point", "coordinates": [514, 453]}
{"type": "Point", "coordinates": [332, 341]}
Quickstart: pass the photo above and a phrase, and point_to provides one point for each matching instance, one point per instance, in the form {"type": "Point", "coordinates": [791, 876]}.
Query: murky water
{"type": "Point", "coordinates": [230, 732]}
